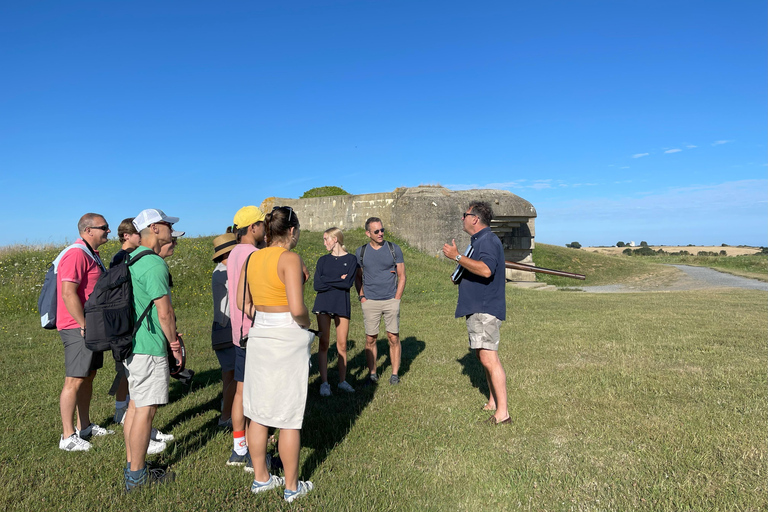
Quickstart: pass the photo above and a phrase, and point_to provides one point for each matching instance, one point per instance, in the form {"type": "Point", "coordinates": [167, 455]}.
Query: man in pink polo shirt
{"type": "Point", "coordinates": [249, 230]}
{"type": "Point", "coordinates": [77, 272]}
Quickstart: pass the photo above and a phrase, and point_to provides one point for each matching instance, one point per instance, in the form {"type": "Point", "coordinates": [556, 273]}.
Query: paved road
{"type": "Point", "coordinates": [693, 278]}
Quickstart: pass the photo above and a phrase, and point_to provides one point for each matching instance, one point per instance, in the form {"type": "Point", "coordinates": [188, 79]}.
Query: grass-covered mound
{"type": "Point", "coordinates": [619, 402]}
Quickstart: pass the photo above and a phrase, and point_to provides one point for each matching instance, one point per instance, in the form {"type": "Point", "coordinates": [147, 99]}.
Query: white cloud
{"type": "Point", "coordinates": [720, 142]}
{"type": "Point", "coordinates": [625, 167]}
{"type": "Point", "coordinates": [673, 151]}
{"type": "Point", "coordinates": [690, 146]}
{"type": "Point", "coordinates": [640, 155]}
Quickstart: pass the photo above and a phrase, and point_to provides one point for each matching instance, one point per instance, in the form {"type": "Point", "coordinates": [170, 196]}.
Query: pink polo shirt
{"type": "Point", "coordinates": [235, 263]}
{"type": "Point", "coordinates": [77, 267]}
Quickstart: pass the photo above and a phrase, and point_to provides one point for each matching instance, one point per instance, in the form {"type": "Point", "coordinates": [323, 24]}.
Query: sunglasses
{"type": "Point", "coordinates": [382, 230]}
{"type": "Point", "coordinates": [105, 227]}
{"type": "Point", "coordinates": [290, 210]}
{"type": "Point", "coordinates": [465, 215]}
{"type": "Point", "coordinates": [170, 226]}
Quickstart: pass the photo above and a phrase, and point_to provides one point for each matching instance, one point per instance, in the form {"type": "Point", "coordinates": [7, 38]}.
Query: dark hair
{"type": "Point", "coordinates": [279, 221]}
{"type": "Point", "coordinates": [126, 227]}
{"type": "Point", "coordinates": [482, 210]}
{"type": "Point", "coordinates": [371, 220]}
{"type": "Point", "coordinates": [241, 232]}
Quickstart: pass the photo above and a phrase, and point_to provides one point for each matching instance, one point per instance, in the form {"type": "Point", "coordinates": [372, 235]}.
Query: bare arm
{"type": "Point", "coordinates": [290, 270]}
{"type": "Point", "coordinates": [72, 302]}
{"type": "Point", "coordinates": [400, 268]}
{"type": "Point", "coordinates": [359, 283]}
{"type": "Point", "coordinates": [167, 318]}
{"type": "Point", "coordinates": [477, 267]}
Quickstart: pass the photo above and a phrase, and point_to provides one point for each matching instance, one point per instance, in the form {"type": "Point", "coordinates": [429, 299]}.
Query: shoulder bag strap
{"type": "Point", "coordinates": [245, 286]}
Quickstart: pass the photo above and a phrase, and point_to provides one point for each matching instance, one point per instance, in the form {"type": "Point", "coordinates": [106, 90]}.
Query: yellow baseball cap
{"type": "Point", "coordinates": [248, 215]}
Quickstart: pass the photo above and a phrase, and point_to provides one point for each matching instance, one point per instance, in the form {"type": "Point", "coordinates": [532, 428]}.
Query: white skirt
{"type": "Point", "coordinates": [276, 371]}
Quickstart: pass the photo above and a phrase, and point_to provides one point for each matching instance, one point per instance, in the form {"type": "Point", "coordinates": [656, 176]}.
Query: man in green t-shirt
{"type": "Point", "coordinates": [147, 368]}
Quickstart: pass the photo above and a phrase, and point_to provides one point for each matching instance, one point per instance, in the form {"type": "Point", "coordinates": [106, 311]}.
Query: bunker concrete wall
{"type": "Point", "coordinates": [426, 217]}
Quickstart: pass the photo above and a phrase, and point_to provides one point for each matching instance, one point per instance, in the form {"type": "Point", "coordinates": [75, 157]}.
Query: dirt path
{"type": "Point", "coordinates": [686, 278]}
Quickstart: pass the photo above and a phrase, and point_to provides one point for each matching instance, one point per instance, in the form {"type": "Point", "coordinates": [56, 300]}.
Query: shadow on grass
{"type": "Point", "coordinates": [329, 419]}
{"type": "Point", "coordinates": [475, 371]}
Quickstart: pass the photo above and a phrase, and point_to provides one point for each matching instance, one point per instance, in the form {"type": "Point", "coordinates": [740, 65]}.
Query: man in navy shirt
{"type": "Point", "coordinates": [482, 301]}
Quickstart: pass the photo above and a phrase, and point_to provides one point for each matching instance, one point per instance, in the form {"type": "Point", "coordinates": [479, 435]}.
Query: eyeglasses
{"type": "Point", "coordinates": [290, 210]}
{"type": "Point", "coordinates": [465, 215]}
{"type": "Point", "coordinates": [105, 227]}
{"type": "Point", "coordinates": [382, 230]}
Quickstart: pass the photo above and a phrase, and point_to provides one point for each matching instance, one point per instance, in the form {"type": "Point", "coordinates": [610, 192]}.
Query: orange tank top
{"type": "Point", "coordinates": [263, 281]}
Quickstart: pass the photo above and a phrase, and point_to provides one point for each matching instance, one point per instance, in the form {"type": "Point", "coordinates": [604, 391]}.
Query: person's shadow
{"type": "Point", "coordinates": [329, 419]}
{"type": "Point", "coordinates": [474, 370]}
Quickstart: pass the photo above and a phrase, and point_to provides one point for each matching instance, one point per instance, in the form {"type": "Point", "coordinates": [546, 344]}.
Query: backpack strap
{"type": "Point", "coordinates": [73, 246]}
{"type": "Point", "coordinates": [392, 251]}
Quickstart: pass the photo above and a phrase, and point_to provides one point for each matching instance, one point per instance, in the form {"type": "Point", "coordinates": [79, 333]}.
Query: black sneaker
{"type": "Point", "coordinates": [394, 380]}
{"type": "Point", "coordinates": [150, 476]}
{"type": "Point", "coordinates": [372, 380]}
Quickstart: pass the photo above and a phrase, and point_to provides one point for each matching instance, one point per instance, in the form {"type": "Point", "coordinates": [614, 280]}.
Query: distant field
{"type": "Point", "coordinates": [639, 401]}
{"type": "Point", "coordinates": [730, 251]}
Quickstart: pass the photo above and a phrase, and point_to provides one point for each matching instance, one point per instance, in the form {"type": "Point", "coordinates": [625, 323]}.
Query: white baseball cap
{"type": "Point", "coordinates": [152, 216]}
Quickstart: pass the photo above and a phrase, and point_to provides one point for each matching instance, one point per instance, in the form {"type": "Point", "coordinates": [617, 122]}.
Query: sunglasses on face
{"type": "Point", "coordinates": [382, 230]}
{"type": "Point", "coordinates": [170, 226]}
{"type": "Point", "coordinates": [465, 215]}
{"type": "Point", "coordinates": [105, 227]}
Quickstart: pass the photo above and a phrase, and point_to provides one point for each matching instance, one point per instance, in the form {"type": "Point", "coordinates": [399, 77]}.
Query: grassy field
{"type": "Point", "coordinates": [620, 402]}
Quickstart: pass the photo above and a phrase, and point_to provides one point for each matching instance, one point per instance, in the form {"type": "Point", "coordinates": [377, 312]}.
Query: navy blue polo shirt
{"type": "Point", "coordinates": [480, 294]}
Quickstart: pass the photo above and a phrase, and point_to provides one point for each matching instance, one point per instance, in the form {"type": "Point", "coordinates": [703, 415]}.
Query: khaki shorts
{"type": "Point", "coordinates": [373, 310]}
{"type": "Point", "coordinates": [148, 378]}
{"type": "Point", "coordinates": [484, 331]}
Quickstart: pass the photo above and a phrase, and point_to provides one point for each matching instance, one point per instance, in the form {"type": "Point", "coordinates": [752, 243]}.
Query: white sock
{"type": "Point", "coordinates": [241, 448]}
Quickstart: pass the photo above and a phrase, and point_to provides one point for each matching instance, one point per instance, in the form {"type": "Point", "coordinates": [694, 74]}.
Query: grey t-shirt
{"type": "Point", "coordinates": [379, 272]}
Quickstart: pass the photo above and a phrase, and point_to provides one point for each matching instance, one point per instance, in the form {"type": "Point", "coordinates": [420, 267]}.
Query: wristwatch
{"type": "Point", "coordinates": [360, 297]}
{"type": "Point", "coordinates": [458, 257]}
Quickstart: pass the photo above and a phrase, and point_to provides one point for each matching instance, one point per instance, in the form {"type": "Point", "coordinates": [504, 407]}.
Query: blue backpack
{"type": "Point", "coordinates": [46, 302]}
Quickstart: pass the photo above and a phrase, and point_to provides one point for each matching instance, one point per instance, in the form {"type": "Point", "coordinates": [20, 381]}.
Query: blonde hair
{"type": "Point", "coordinates": [336, 233]}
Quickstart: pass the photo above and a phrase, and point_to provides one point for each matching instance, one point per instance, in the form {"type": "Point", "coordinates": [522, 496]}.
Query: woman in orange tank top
{"type": "Point", "coordinates": [275, 384]}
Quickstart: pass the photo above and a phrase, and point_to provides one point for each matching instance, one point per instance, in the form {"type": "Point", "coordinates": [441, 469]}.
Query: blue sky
{"type": "Point", "coordinates": [617, 120]}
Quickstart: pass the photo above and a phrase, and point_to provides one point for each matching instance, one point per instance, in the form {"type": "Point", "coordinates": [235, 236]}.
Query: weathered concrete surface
{"type": "Point", "coordinates": [426, 217]}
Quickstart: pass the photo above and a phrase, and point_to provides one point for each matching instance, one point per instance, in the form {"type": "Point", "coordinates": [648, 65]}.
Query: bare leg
{"type": "Point", "coordinates": [342, 330]}
{"type": "Point", "coordinates": [289, 445]}
{"type": "Point", "coordinates": [127, 425]}
{"type": "Point", "coordinates": [491, 405]}
{"type": "Point", "coordinates": [497, 381]}
{"type": "Point", "coordinates": [84, 395]}
{"type": "Point", "coordinates": [324, 326]}
{"type": "Point", "coordinates": [257, 446]}
{"type": "Point", "coordinates": [228, 393]}
{"type": "Point", "coordinates": [141, 429]}
{"type": "Point", "coordinates": [122, 389]}
{"type": "Point", "coordinates": [370, 352]}
{"type": "Point", "coordinates": [67, 403]}
{"type": "Point", "coordinates": [394, 351]}
{"type": "Point", "coordinates": [238, 418]}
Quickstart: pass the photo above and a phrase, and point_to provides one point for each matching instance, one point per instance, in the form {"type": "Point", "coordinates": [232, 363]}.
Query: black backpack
{"type": "Point", "coordinates": [109, 311]}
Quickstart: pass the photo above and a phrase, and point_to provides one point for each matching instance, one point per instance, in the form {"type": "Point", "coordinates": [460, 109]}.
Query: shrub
{"type": "Point", "coordinates": [324, 192]}
{"type": "Point", "coordinates": [644, 251]}
{"type": "Point", "coordinates": [627, 251]}
{"type": "Point", "coordinates": [643, 244]}
{"type": "Point", "coordinates": [574, 245]}
{"type": "Point", "coordinates": [620, 244]}
{"type": "Point", "coordinates": [723, 253]}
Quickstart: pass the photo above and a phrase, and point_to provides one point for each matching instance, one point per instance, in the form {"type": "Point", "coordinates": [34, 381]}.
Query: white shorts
{"type": "Point", "coordinates": [148, 378]}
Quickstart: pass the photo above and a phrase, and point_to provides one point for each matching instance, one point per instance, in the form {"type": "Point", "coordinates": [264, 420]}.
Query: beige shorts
{"type": "Point", "coordinates": [148, 378]}
{"type": "Point", "coordinates": [484, 331]}
{"type": "Point", "coordinates": [373, 310]}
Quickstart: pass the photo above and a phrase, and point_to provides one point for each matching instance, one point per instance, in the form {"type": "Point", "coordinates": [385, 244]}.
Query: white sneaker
{"type": "Point", "coordinates": [155, 447]}
{"type": "Point", "coordinates": [74, 443]}
{"type": "Point", "coordinates": [302, 489]}
{"type": "Point", "coordinates": [325, 389]}
{"type": "Point", "coordinates": [158, 436]}
{"type": "Point", "coordinates": [93, 430]}
{"type": "Point", "coordinates": [344, 386]}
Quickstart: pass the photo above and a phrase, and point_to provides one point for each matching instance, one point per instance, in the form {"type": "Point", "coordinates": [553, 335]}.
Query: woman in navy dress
{"type": "Point", "coordinates": [334, 276]}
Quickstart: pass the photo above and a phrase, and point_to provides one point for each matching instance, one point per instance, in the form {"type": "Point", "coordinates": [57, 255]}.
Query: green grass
{"type": "Point", "coordinates": [620, 402]}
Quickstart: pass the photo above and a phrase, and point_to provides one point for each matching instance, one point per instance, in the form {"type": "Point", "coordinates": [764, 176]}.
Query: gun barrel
{"type": "Point", "coordinates": [530, 268]}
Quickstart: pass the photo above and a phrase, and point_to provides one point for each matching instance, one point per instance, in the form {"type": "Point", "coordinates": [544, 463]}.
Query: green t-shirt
{"type": "Point", "coordinates": [150, 282]}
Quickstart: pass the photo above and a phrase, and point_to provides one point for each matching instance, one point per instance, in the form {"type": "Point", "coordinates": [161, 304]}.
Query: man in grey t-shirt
{"type": "Point", "coordinates": [380, 283]}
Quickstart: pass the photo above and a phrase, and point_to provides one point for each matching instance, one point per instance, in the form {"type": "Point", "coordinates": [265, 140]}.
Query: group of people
{"type": "Point", "coordinates": [261, 329]}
